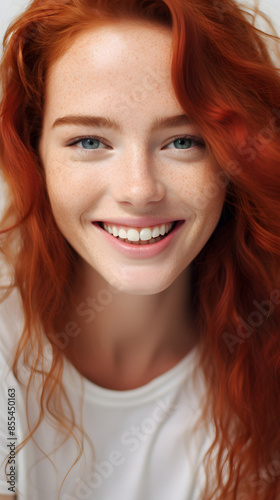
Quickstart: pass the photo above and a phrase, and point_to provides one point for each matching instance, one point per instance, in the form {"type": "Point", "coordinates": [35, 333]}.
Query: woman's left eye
{"type": "Point", "coordinates": [187, 142]}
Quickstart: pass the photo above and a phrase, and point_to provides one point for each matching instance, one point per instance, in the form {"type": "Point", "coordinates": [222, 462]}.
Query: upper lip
{"type": "Point", "coordinates": [138, 221]}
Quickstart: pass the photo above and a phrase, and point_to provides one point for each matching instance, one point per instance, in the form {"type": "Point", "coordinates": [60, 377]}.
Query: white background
{"type": "Point", "coordinates": [11, 8]}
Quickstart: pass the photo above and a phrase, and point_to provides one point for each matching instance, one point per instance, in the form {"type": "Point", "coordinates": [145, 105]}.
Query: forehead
{"type": "Point", "coordinates": [111, 64]}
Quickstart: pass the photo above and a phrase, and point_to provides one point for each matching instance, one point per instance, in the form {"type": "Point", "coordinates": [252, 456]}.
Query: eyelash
{"type": "Point", "coordinates": [197, 140]}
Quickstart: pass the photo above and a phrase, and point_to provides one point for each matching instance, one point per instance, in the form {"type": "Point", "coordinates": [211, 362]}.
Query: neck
{"type": "Point", "coordinates": [132, 333]}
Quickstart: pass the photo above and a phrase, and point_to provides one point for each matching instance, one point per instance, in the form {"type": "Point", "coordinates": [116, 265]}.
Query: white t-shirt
{"type": "Point", "coordinates": [143, 439]}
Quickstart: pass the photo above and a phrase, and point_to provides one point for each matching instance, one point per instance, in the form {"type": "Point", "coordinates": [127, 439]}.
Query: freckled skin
{"type": "Point", "coordinates": [123, 72]}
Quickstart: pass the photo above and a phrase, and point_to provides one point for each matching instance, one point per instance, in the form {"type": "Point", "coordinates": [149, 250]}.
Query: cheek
{"type": "Point", "coordinates": [64, 198]}
{"type": "Point", "coordinates": [204, 189]}
{"type": "Point", "coordinates": [72, 190]}
{"type": "Point", "coordinates": [208, 204]}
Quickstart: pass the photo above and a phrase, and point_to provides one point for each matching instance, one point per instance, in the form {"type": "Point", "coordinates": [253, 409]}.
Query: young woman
{"type": "Point", "coordinates": [139, 339]}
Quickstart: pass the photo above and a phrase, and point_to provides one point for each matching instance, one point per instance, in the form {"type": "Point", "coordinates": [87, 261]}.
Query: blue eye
{"type": "Point", "coordinates": [87, 143]}
{"type": "Point", "coordinates": [187, 142]}
{"type": "Point", "coordinates": [180, 142]}
{"type": "Point", "coordinates": [90, 143]}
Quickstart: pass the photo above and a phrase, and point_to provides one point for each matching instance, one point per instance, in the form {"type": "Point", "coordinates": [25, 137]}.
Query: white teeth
{"type": "Point", "coordinates": [155, 232]}
{"type": "Point", "coordinates": [132, 235]}
{"type": "Point", "coordinates": [145, 234]}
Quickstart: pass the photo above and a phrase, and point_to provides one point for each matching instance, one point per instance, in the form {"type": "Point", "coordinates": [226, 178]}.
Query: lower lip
{"type": "Point", "coordinates": [149, 250]}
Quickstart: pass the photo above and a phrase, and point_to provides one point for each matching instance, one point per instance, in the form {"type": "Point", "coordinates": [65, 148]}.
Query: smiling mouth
{"type": "Point", "coordinates": [144, 238]}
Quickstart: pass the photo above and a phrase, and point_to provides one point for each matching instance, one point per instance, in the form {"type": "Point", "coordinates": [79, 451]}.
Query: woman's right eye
{"type": "Point", "coordinates": [89, 143]}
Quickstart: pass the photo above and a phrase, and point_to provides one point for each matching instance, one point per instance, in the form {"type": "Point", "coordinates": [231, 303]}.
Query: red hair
{"type": "Point", "coordinates": [226, 81]}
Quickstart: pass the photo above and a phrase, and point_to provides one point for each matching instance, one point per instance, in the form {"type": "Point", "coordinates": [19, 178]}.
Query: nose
{"type": "Point", "coordinates": [138, 180]}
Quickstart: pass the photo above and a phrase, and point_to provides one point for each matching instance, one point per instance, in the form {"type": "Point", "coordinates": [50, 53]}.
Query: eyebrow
{"type": "Point", "coordinates": [101, 121]}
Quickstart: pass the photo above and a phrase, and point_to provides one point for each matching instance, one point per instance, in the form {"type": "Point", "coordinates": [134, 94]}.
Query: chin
{"type": "Point", "coordinates": [139, 286]}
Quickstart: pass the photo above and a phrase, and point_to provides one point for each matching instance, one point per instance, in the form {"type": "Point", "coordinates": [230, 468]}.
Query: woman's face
{"type": "Point", "coordinates": [133, 171]}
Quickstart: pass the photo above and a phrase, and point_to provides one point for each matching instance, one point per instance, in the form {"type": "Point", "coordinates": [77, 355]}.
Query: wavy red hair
{"type": "Point", "coordinates": [226, 81]}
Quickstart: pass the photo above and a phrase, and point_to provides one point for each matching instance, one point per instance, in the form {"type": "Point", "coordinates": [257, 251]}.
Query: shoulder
{"type": "Point", "coordinates": [11, 324]}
